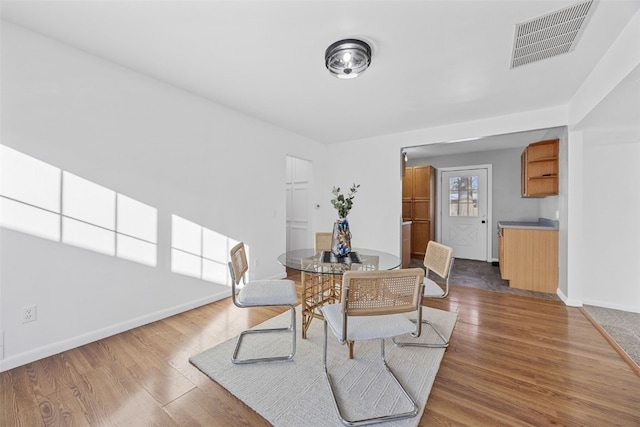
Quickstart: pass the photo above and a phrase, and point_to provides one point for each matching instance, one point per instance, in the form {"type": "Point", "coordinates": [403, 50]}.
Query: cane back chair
{"type": "Point", "coordinates": [260, 293]}
{"type": "Point", "coordinates": [372, 307]}
{"type": "Point", "coordinates": [439, 260]}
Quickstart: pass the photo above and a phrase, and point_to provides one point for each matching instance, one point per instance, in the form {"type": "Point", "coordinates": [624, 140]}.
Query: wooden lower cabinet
{"type": "Point", "coordinates": [420, 236]}
{"type": "Point", "coordinates": [529, 258]}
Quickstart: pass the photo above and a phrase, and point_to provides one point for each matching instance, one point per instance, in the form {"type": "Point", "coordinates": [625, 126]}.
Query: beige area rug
{"type": "Point", "coordinates": [296, 393]}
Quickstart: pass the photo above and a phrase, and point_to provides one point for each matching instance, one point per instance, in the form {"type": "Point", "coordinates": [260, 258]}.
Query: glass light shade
{"type": "Point", "coordinates": [348, 58]}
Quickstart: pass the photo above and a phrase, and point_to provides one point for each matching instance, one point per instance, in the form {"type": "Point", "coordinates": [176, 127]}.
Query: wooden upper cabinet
{"type": "Point", "coordinates": [540, 169]}
{"type": "Point", "coordinates": [422, 182]}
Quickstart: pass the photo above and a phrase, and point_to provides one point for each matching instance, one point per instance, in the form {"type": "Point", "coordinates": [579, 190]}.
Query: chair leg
{"type": "Point", "coordinates": [291, 329]}
{"type": "Point", "coordinates": [443, 344]}
{"type": "Point", "coordinates": [372, 420]}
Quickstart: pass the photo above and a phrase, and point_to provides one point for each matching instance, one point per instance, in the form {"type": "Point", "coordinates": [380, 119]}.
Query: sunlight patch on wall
{"type": "Point", "coordinates": [137, 230]}
{"type": "Point", "coordinates": [30, 191]}
{"type": "Point", "coordinates": [45, 201]}
{"type": "Point", "coordinates": [199, 252]}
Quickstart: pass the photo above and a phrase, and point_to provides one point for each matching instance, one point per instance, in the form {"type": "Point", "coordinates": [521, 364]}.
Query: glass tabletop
{"type": "Point", "coordinates": [310, 261]}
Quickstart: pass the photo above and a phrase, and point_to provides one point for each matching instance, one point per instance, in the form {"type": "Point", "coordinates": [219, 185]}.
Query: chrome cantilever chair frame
{"type": "Point", "coordinates": [439, 259]}
{"type": "Point", "coordinates": [375, 298]}
{"type": "Point", "coordinates": [261, 293]}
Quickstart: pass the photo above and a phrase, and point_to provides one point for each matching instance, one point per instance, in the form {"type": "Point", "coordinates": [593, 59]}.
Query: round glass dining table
{"type": "Point", "coordinates": [308, 260]}
{"type": "Point", "coordinates": [321, 272]}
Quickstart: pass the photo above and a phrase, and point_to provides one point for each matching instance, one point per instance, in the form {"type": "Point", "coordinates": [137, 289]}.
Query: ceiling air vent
{"type": "Point", "coordinates": [549, 35]}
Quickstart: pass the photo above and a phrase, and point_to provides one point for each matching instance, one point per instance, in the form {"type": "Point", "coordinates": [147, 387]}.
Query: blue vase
{"type": "Point", "coordinates": [341, 238]}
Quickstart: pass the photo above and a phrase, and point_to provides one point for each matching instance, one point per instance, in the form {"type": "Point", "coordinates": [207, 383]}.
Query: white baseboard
{"type": "Point", "coordinates": [596, 303]}
{"type": "Point", "coordinates": [568, 301]}
{"type": "Point", "coordinates": [60, 346]}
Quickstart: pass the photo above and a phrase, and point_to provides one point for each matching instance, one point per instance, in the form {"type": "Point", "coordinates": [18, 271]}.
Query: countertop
{"type": "Point", "coordinates": [542, 223]}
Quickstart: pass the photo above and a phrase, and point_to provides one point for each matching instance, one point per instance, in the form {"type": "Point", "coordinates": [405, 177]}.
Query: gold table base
{"type": "Point", "coordinates": [322, 284]}
{"type": "Point", "coordinates": [318, 290]}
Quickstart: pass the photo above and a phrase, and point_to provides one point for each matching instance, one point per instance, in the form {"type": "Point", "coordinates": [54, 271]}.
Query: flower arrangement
{"type": "Point", "coordinates": [341, 203]}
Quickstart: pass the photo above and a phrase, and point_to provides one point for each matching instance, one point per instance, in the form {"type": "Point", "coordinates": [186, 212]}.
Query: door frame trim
{"type": "Point", "coordinates": [489, 169]}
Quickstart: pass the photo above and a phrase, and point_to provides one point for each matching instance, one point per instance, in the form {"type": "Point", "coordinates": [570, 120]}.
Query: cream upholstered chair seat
{"type": "Point", "coordinates": [268, 292]}
{"type": "Point", "coordinates": [432, 289]}
{"type": "Point", "coordinates": [363, 328]}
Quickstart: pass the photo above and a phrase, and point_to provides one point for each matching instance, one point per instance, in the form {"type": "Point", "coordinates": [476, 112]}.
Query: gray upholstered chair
{"type": "Point", "coordinates": [438, 259]}
{"type": "Point", "coordinates": [261, 293]}
{"type": "Point", "coordinates": [372, 307]}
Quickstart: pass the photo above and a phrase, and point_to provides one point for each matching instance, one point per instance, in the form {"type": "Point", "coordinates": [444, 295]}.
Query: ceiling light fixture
{"type": "Point", "coordinates": [348, 58]}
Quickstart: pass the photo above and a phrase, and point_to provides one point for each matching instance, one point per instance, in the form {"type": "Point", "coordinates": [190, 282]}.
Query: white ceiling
{"type": "Point", "coordinates": [434, 62]}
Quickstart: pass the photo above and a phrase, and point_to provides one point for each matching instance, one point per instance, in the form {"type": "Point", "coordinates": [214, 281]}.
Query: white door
{"type": "Point", "coordinates": [299, 173]}
{"type": "Point", "coordinates": [464, 212]}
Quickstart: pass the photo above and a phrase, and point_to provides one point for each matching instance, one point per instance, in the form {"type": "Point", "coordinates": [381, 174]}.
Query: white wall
{"type": "Point", "coordinates": [613, 272]}
{"type": "Point", "coordinates": [177, 152]}
{"type": "Point", "coordinates": [375, 217]}
{"type": "Point", "coordinates": [607, 236]}
{"type": "Point", "coordinates": [604, 154]}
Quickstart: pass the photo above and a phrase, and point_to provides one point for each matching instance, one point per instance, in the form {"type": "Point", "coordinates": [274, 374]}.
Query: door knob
{"type": "Point", "coordinates": [484, 222]}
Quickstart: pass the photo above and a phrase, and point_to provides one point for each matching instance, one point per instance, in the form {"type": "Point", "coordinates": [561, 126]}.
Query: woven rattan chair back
{"type": "Point", "coordinates": [322, 241]}
{"type": "Point", "coordinates": [239, 265]}
{"type": "Point", "coordinates": [381, 292]}
{"type": "Point", "coordinates": [438, 258]}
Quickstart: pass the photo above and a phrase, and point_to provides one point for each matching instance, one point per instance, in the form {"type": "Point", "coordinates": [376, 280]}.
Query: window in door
{"type": "Point", "coordinates": [463, 196]}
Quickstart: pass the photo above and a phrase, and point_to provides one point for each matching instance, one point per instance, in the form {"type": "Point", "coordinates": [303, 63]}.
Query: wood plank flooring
{"type": "Point", "coordinates": [513, 361]}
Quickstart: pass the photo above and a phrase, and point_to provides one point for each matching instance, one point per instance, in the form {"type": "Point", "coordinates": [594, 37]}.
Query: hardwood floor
{"type": "Point", "coordinates": [513, 360]}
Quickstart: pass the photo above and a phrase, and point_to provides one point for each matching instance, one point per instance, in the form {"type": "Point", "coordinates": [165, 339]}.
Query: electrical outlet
{"type": "Point", "coordinates": [29, 313]}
